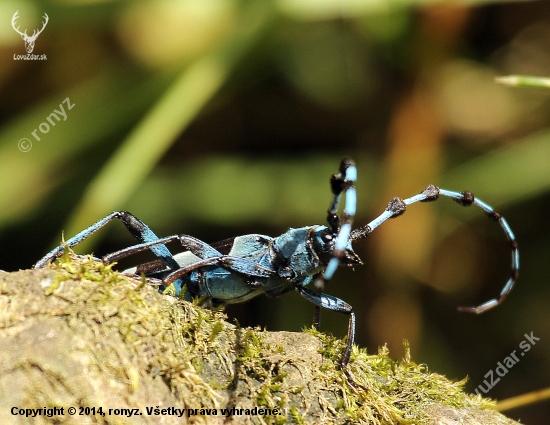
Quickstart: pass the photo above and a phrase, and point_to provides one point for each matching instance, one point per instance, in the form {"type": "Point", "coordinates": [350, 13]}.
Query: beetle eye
{"type": "Point", "coordinates": [326, 237]}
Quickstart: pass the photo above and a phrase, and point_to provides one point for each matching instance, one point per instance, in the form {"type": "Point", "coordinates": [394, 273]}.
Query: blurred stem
{"type": "Point", "coordinates": [173, 113]}
{"type": "Point", "coordinates": [507, 175]}
{"type": "Point", "coordinates": [105, 105]}
{"type": "Point", "coordinates": [523, 400]}
{"type": "Point", "coordinates": [524, 81]}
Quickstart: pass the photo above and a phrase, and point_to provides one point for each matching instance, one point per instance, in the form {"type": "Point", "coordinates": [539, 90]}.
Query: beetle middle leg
{"type": "Point", "coordinates": [206, 256]}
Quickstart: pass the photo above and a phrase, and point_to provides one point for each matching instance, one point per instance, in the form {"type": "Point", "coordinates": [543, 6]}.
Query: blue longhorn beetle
{"type": "Point", "coordinates": [238, 269]}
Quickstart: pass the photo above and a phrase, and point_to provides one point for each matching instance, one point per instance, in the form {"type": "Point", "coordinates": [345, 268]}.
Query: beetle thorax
{"type": "Point", "coordinates": [296, 254]}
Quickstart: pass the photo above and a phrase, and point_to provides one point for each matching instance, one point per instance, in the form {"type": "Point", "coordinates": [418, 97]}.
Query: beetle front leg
{"type": "Point", "coordinates": [335, 304]}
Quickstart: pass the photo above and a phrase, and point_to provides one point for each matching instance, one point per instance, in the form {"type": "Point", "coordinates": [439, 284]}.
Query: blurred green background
{"type": "Point", "coordinates": [218, 118]}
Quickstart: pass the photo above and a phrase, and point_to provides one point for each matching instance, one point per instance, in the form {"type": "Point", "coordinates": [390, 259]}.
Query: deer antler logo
{"type": "Point", "coordinates": [29, 41]}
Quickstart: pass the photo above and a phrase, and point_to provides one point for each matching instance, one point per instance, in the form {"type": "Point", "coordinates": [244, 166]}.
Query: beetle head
{"type": "Point", "coordinates": [322, 240]}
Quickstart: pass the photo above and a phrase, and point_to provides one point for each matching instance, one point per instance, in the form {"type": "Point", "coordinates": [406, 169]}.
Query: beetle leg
{"type": "Point", "coordinates": [239, 265]}
{"type": "Point", "coordinates": [196, 246]}
{"type": "Point", "coordinates": [335, 304]}
{"type": "Point", "coordinates": [137, 228]}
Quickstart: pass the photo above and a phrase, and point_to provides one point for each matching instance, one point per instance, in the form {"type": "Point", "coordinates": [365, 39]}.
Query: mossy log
{"type": "Point", "coordinates": [79, 335]}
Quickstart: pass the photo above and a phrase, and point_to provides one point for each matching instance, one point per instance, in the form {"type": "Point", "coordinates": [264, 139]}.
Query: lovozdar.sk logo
{"type": "Point", "coordinates": [29, 39]}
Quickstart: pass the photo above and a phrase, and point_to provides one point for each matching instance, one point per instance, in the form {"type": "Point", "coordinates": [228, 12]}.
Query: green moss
{"type": "Point", "coordinates": [296, 416]}
{"type": "Point", "coordinates": [209, 363]}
